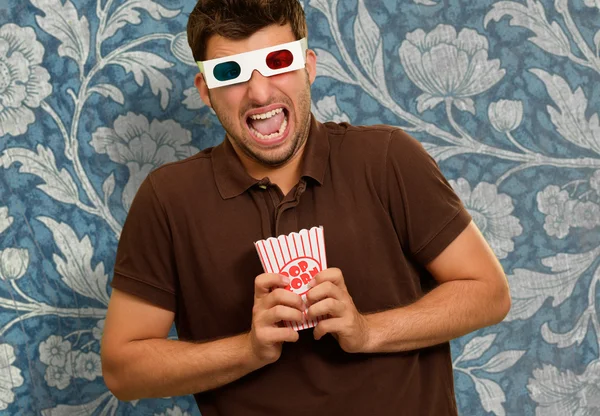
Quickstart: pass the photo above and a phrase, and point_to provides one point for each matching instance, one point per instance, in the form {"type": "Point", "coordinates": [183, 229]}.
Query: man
{"type": "Point", "coordinates": [409, 270]}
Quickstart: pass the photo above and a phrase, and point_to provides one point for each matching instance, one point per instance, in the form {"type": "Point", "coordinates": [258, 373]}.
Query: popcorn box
{"type": "Point", "coordinates": [299, 256]}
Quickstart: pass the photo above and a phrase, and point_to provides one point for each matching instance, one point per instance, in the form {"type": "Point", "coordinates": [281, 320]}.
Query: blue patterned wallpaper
{"type": "Point", "coordinates": [505, 95]}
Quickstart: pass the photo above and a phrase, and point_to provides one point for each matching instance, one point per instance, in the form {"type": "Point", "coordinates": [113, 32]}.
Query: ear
{"type": "Point", "coordinates": [311, 65]}
{"type": "Point", "coordinates": [202, 88]}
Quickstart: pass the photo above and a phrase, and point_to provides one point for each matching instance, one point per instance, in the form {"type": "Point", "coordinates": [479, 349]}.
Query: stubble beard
{"type": "Point", "coordinates": [275, 157]}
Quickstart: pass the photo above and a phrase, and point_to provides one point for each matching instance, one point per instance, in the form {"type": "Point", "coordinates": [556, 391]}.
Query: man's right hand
{"type": "Point", "coordinates": [273, 304]}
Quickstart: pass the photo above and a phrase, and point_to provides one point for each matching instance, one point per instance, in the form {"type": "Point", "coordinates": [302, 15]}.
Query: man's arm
{"type": "Point", "coordinates": [473, 293]}
{"type": "Point", "coordinates": [139, 362]}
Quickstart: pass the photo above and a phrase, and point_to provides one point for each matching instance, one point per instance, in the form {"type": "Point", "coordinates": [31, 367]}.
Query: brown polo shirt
{"type": "Point", "coordinates": [386, 210]}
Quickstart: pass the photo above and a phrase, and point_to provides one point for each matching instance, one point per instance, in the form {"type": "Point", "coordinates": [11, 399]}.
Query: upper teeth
{"type": "Point", "coordinates": [266, 115]}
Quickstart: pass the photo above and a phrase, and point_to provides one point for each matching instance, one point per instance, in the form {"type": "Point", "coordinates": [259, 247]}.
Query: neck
{"type": "Point", "coordinates": [285, 176]}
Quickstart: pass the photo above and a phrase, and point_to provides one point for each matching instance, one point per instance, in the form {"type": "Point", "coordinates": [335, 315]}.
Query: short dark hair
{"type": "Point", "coordinates": [239, 19]}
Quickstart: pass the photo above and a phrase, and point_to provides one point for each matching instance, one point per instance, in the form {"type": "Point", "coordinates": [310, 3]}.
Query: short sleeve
{"type": "Point", "coordinates": [145, 265]}
{"type": "Point", "coordinates": [425, 210]}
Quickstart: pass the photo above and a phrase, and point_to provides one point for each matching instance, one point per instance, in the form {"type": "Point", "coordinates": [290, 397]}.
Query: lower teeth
{"type": "Point", "coordinates": [272, 135]}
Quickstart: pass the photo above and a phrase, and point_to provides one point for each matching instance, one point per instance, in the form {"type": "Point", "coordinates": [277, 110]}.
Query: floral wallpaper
{"type": "Point", "coordinates": [94, 94]}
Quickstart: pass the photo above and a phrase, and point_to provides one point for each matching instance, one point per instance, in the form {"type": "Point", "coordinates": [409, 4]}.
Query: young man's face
{"type": "Point", "coordinates": [267, 119]}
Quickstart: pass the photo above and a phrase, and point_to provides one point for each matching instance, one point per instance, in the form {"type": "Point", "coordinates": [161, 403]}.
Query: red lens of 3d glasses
{"type": "Point", "coordinates": [280, 59]}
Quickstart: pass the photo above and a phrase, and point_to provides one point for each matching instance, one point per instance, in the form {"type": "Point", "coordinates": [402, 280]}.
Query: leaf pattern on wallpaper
{"type": "Point", "coordinates": [530, 289]}
{"type": "Point", "coordinates": [74, 262]}
{"type": "Point", "coordinates": [56, 183]}
{"type": "Point", "coordinates": [129, 12]}
{"type": "Point", "coordinates": [441, 153]}
{"type": "Point", "coordinates": [329, 66]}
{"type": "Point", "coordinates": [569, 116]}
{"type": "Point", "coordinates": [491, 394]}
{"type": "Point", "coordinates": [518, 135]}
{"type": "Point", "coordinates": [475, 348]}
{"type": "Point", "coordinates": [5, 219]}
{"type": "Point", "coordinates": [369, 45]}
{"type": "Point", "coordinates": [573, 337]}
{"type": "Point", "coordinates": [502, 361]}
{"type": "Point", "coordinates": [62, 21]}
{"type": "Point", "coordinates": [531, 15]}
{"type": "Point", "coordinates": [147, 65]}
{"type": "Point", "coordinates": [85, 409]}
{"type": "Point", "coordinates": [109, 91]}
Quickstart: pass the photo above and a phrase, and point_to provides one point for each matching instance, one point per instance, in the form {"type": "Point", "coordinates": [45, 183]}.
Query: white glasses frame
{"type": "Point", "coordinates": [254, 60]}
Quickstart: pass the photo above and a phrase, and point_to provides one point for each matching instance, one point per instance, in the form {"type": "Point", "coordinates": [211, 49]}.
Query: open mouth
{"type": "Point", "coordinates": [269, 126]}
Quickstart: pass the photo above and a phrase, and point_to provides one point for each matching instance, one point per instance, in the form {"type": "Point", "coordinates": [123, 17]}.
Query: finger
{"type": "Point", "coordinates": [329, 306]}
{"type": "Point", "coordinates": [281, 313]}
{"type": "Point", "coordinates": [323, 291]}
{"type": "Point", "coordinates": [333, 275]}
{"type": "Point", "coordinates": [277, 335]}
{"type": "Point", "coordinates": [327, 326]}
{"type": "Point", "coordinates": [266, 282]}
{"type": "Point", "coordinates": [283, 297]}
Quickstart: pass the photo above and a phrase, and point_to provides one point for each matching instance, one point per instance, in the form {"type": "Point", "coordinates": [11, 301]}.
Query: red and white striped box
{"type": "Point", "coordinates": [300, 256]}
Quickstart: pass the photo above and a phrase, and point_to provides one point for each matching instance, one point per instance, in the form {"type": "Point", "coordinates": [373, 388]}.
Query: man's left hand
{"type": "Point", "coordinates": [329, 297]}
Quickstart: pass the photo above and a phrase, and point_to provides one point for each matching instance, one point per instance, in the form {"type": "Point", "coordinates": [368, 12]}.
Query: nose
{"type": "Point", "coordinates": [259, 88]}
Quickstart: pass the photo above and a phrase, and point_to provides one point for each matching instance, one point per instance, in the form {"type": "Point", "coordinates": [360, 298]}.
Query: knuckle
{"type": "Point", "coordinates": [294, 336]}
{"type": "Point", "coordinates": [279, 295]}
{"type": "Point", "coordinates": [268, 337]}
{"type": "Point", "coordinates": [259, 334]}
{"type": "Point", "coordinates": [279, 311]}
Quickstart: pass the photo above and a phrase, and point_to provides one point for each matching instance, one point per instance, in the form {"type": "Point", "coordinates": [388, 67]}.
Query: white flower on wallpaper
{"type": "Point", "coordinates": [586, 214]}
{"type": "Point", "coordinates": [13, 263]}
{"type": "Point", "coordinates": [23, 82]}
{"type": "Point", "coordinates": [54, 351]}
{"type": "Point", "coordinates": [142, 146]}
{"type": "Point", "coordinates": [566, 393]}
{"type": "Point", "coordinates": [5, 219]}
{"type": "Point", "coordinates": [505, 115]}
{"type": "Point", "coordinates": [10, 376]}
{"type": "Point", "coordinates": [562, 212]}
{"type": "Point", "coordinates": [559, 224]}
{"type": "Point", "coordinates": [180, 48]}
{"type": "Point", "coordinates": [98, 330]}
{"type": "Point", "coordinates": [57, 377]}
{"type": "Point", "coordinates": [449, 66]}
{"type": "Point", "coordinates": [175, 411]}
{"type": "Point", "coordinates": [64, 363]}
{"type": "Point", "coordinates": [491, 212]}
{"type": "Point", "coordinates": [552, 200]}
{"type": "Point", "coordinates": [87, 365]}
{"type": "Point", "coordinates": [327, 109]}
{"type": "Point", "coordinates": [592, 3]}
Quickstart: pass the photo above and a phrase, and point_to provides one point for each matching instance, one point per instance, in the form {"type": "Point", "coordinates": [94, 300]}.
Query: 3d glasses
{"type": "Point", "coordinates": [269, 61]}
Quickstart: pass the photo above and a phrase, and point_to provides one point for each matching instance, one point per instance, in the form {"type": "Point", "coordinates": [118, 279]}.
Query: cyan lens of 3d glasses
{"type": "Point", "coordinates": [227, 71]}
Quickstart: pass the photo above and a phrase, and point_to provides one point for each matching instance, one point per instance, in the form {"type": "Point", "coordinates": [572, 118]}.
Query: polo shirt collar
{"type": "Point", "coordinates": [232, 179]}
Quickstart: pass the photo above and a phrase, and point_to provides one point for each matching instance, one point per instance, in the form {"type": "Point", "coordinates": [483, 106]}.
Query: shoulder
{"type": "Point", "coordinates": [183, 176]}
{"type": "Point", "coordinates": [372, 142]}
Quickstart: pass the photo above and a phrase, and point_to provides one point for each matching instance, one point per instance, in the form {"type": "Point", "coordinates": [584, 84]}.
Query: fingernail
{"type": "Point", "coordinates": [285, 279]}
